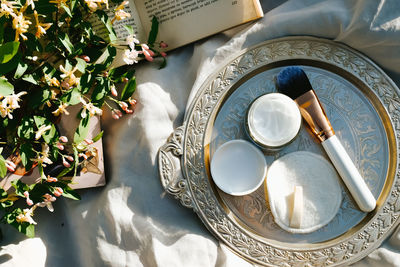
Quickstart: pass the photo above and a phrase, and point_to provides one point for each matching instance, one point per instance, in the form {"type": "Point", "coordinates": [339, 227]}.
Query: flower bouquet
{"type": "Point", "coordinates": [51, 60]}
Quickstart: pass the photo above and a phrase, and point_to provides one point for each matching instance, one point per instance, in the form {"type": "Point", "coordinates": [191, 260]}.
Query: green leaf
{"type": "Point", "coordinates": [32, 45]}
{"type": "Point", "coordinates": [129, 29]}
{"type": "Point", "coordinates": [98, 136]}
{"type": "Point", "coordinates": [107, 22]}
{"type": "Point", "coordinates": [26, 152]}
{"type": "Point", "coordinates": [85, 83]}
{"type": "Point", "coordinates": [29, 230]}
{"type": "Point", "coordinates": [129, 89]}
{"type": "Point", "coordinates": [30, 78]}
{"type": "Point", "coordinates": [21, 68]}
{"type": "Point", "coordinates": [3, 194]}
{"type": "Point", "coordinates": [11, 216]}
{"type": "Point", "coordinates": [39, 97]}
{"type": "Point", "coordinates": [25, 227]}
{"type": "Point", "coordinates": [48, 69]}
{"type": "Point", "coordinates": [67, 65]}
{"type": "Point", "coordinates": [163, 63]}
{"type": "Point", "coordinates": [41, 171]}
{"type": "Point", "coordinates": [6, 88]}
{"type": "Point", "coordinates": [70, 193]}
{"type": "Point", "coordinates": [8, 51]}
{"type": "Point", "coordinates": [50, 134]}
{"type": "Point", "coordinates": [120, 73]}
{"type": "Point", "coordinates": [3, 168]}
{"type": "Point", "coordinates": [2, 22]}
{"type": "Point", "coordinates": [26, 129]}
{"type": "Point", "coordinates": [20, 187]}
{"type": "Point", "coordinates": [87, 28]}
{"type": "Point", "coordinates": [100, 92]}
{"type": "Point", "coordinates": [65, 171]}
{"type": "Point", "coordinates": [64, 39]}
{"type": "Point", "coordinates": [153, 31]}
{"type": "Point", "coordinates": [5, 203]}
{"type": "Point", "coordinates": [81, 65]}
{"type": "Point", "coordinates": [39, 121]}
{"type": "Point", "coordinates": [73, 4]}
{"type": "Point", "coordinates": [76, 160]}
{"type": "Point", "coordinates": [67, 10]}
{"type": "Point", "coordinates": [109, 56]}
{"type": "Point", "coordinates": [82, 130]}
{"type": "Point", "coordinates": [10, 65]}
{"type": "Point", "coordinates": [72, 97]}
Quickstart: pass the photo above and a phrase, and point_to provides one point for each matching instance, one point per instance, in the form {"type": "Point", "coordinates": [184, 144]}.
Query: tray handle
{"type": "Point", "coordinates": [172, 179]}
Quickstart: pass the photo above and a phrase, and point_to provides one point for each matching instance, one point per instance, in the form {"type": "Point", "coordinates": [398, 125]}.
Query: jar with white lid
{"type": "Point", "coordinates": [273, 120]}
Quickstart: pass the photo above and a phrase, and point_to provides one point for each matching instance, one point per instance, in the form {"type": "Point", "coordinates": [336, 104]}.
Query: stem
{"type": "Point", "coordinates": [113, 99]}
{"type": "Point", "coordinates": [44, 61]}
{"type": "Point", "coordinates": [41, 171]}
{"type": "Point", "coordinates": [108, 105]}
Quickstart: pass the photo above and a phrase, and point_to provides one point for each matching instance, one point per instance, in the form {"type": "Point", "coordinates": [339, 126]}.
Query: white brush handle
{"type": "Point", "coordinates": [349, 173]}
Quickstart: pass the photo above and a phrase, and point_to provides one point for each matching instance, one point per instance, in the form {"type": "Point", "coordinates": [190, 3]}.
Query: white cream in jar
{"type": "Point", "coordinates": [273, 120]}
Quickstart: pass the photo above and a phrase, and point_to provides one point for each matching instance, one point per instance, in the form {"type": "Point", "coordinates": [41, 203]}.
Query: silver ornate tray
{"type": "Point", "coordinates": [363, 106]}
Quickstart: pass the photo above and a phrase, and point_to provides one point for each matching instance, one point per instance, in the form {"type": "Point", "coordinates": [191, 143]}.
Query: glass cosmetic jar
{"type": "Point", "coordinates": [273, 120]}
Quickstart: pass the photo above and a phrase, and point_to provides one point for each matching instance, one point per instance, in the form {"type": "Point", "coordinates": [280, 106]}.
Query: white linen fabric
{"type": "Point", "coordinates": [129, 222]}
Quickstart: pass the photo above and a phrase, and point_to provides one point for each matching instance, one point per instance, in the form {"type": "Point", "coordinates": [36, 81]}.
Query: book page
{"type": "Point", "coordinates": [133, 21]}
{"type": "Point", "coordinates": [185, 21]}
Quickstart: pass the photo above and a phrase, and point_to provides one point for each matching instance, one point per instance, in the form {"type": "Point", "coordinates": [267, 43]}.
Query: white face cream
{"type": "Point", "coordinates": [238, 167]}
{"type": "Point", "coordinates": [273, 120]}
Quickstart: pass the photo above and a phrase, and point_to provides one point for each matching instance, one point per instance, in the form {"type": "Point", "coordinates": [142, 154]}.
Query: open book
{"type": "Point", "coordinates": [185, 21]}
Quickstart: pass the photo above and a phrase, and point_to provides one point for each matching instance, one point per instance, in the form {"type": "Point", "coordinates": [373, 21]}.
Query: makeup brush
{"type": "Point", "coordinates": [293, 82]}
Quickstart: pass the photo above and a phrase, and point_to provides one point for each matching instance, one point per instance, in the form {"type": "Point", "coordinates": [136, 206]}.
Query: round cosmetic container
{"type": "Point", "coordinates": [273, 121]}
{"type": "Point", "coordinates": [238, 167]}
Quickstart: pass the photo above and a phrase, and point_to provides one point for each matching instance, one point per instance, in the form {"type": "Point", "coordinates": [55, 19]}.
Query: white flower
{"type": "Point", "coordinates": [9, 103]}
{"type": "Point", "coordinates": [10, 165]}
{"type": "Point", "coordinates": [131, 56]}
{"type": "Point", "coordinates": [42, 129]}
{"type": "Point", "coordinates": [26, 216]}
{"type": "Point", "coordinates": [31, 3]}
{"type": "Point", "coordinates": [7, 8]}
{"type": "Point", "coordinates": [93, 110]}
{"type": "Point", "coordinates": [92, 5]}
{"type": "Point", "coordinates": [4, 111]}
{"type": "Point", "coordinates": [131, 40]}
{"type": "Point", "coordinates": [68, 76]}
{"type": "Point", "coordinates": [95, 4]}
{"type": "Point", "coordinates": [47, 202]}
{"type": "Point", "coordinates": [120, 13]}
{"type": "Point", "coordinates": [43, 157]}
{"type": "Point", "coordinates": [61, 109]}
{"type": "Point", "coordinates": [41, 27]}
{"type": "Point", "coordinates": [20, 25]}
{"type": "Point", "coordinates": [12, 100]}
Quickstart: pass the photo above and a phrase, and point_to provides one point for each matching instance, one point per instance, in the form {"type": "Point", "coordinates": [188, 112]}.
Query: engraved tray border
{"type": "Point", "coordinates": [194, 190]}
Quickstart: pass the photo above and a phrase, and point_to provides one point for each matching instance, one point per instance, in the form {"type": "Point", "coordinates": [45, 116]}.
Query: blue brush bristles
{"type": "Point", "coordinates": [293, 82]}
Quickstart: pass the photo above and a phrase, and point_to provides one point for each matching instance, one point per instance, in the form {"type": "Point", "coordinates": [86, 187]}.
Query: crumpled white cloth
{"type": "Point", "coordinates": [129, 222]}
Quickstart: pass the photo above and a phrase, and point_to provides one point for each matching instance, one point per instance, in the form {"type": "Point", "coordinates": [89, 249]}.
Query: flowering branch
{"type": "Point", "coordinates": [52, 59]}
